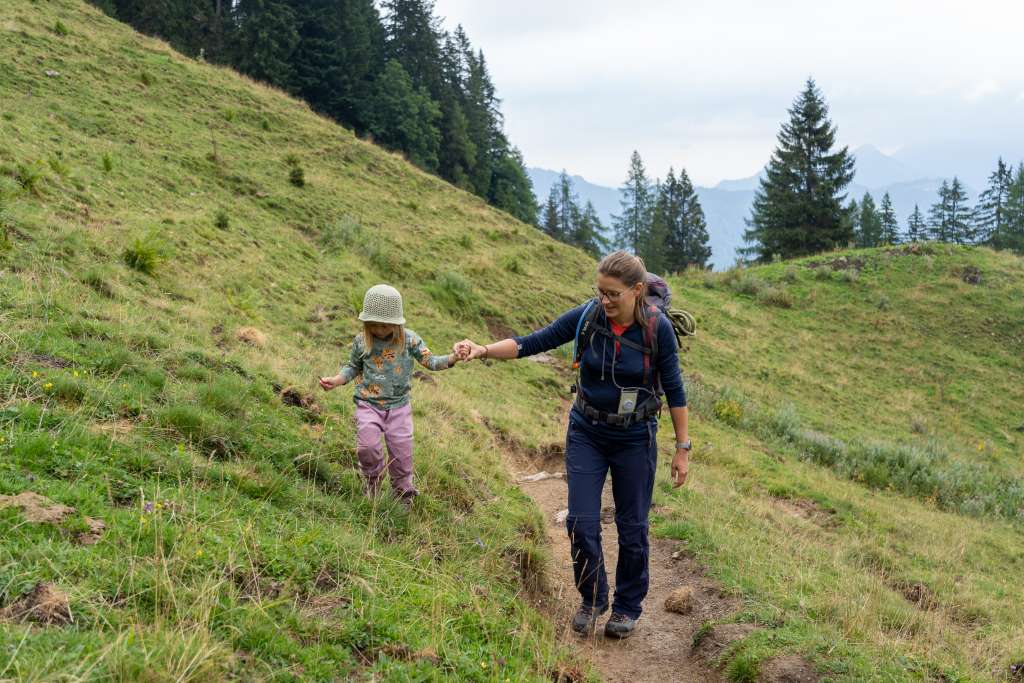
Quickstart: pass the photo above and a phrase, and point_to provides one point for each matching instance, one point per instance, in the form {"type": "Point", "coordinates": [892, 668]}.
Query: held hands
{"type": "Point", "coordinates": [680, 467]}
{"type": "Point", "coordinates": [467, 349]}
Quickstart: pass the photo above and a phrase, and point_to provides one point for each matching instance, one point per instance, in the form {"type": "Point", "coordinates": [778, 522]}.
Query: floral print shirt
{"type": "Point", "coordinates": [385, 371]}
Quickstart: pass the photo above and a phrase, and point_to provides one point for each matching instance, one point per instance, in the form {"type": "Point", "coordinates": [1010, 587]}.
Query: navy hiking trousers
{"type": "Point", "coordinates": [631, 455]}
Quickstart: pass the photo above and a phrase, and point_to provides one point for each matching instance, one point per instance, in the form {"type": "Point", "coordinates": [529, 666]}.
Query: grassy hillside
{"type": "Point", "coordinates": [151, 213]}
{"type": "Point", "coordinates": [169, 290]}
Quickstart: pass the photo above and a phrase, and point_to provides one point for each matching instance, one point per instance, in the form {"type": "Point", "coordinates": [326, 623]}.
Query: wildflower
{"type": "Point", "coordinates": [35, 374]}
{"type": "Point", "coordinates": [199, 553]}
{"type": "Point", "coordinates": [74, 373]}
{"type": "Point", "coordinates": [148, 507]}
{"type": "Point", "coordinates": [48, 386]}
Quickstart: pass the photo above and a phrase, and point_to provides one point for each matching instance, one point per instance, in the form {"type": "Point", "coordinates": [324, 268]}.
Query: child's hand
{"type": "Point", "coordinates": [462, 349]}
{"type": "Point", "coordinates": [328, 383]}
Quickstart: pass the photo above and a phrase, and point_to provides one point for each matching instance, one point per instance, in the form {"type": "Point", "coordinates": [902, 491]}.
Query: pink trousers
{"type": "Point", "coordinates": [395, 426]}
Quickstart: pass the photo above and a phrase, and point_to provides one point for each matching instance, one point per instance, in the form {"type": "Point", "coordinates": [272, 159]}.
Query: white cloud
{"type": "Point", "coordinates": [706, 84]}
{"type": "Point", "coordinates": [982, 89]}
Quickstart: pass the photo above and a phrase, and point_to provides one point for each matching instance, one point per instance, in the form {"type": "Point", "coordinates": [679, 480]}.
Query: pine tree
{"type": "Point", "coordinates": [851, 219]}
{"type": "Point", "coordinates": [869, 223]}
{"type": "Point", "coordinates": [588, 233]}
{"type": "Point", "coordinates": [1013, 237]}
{"type": "Point", "coordinates": [798, 207]}
{"type": "Point", "coordinates": [265, 41]}
{"type": "Point", "coordinates": [414, 39]}
{"type": "Point", "coordinates": [634, 224]}
{"type": "Point", "coordinates": [549, 222]}
{"type": "Point", "coordinates": [917, 228]}
{"type": "Point", "coordinates": [403, 117]}
{"type": "Point", "coordinates": [990, 214]}
{"type": "Point", "coordinates": [890, 224]}
{"type": "Point", "coordinates": [950, 217]}
{"type": "Point", "coordinates": [678, 209]}
{"type": "Point", "coordinates": [511, 189]}
{"type": "Point", "coordinates": [568, 207]}
{"type": "Point", "coordinates": [339, 54]}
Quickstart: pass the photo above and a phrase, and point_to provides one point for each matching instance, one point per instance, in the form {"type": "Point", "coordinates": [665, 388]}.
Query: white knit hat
{"type": "Point", "coordinates": [382, 304]}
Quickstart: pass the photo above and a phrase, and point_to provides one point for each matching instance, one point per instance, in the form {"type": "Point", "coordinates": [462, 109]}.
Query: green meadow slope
{"type": "Point", "coordinates": [169, 292]}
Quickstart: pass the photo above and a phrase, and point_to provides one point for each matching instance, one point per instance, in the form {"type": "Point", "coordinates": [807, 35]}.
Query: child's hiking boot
{"type": "Point", "coordinates": [585, 619]}
{"type": "Point", "coordinates": [619, 626]}
{"type": "Point", "coordinates": [406, 498]}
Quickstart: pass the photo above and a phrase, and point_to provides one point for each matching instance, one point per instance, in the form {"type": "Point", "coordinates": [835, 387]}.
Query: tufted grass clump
{"type": "Point", "coordinates": [143, 254]}
{"type": "Point", "coordinates": [455, 294]}
{"type": "Point", "coordinates": [297, 176]}
{"type": "Point", "coordinates": [222, 220]}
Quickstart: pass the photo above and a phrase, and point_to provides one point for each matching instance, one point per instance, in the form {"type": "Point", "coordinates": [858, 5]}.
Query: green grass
{"type": "Point", "coordinates": [857, 423]}
{"type": "Point", "coordinates": [238, 541]}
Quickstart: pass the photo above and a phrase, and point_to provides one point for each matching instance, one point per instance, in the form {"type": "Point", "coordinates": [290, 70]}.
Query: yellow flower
{"type": "Point", "coordinates": [35, 374]}
{"type": "Point", "coordinates": [199, 553]}
{"type": "Point", "coordinates": [74, 373]}
{"type": "Point", "coordinates": [48, 386]}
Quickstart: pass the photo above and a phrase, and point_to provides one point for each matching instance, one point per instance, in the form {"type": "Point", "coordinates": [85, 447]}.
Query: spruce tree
{"type": "Point", "coordinates": [339, 55]}
{"type": "Point", "coordinates": [890, 225]}
{"type": "Point", "coordinates": [798, 208]}
{"type": "Point", "coordinates": [990, 214]}
{"type": "Point", "coordinates": [511, 189]}
{"type": "Point", "coordinates": [403, 117]}
{"type": "Point", "coordinates": [1013, 237]}
{"type": "Point", "coordinates": [679, 215]}
{"type": "Point", "coordinates": [869, 223]}
{"type": "Point", "coordinates": [414, 40]}
{"type": "Point", "coordinates": [265, 41]}
{"type": "Point", "coordinates": [568, 207]}
{"type": "Point", "coordinates": [950, 217]}
{"type": "Point", "coordinates": [633, 225]}
{"type": "Point", "coordinates": [917, 228]}
{"type": "Point", "coordinates": [549, 222]}
{"type": "Point", "coordinates": [588, 233]}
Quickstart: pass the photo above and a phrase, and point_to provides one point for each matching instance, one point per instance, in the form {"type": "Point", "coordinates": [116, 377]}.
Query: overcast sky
{"type": "Point", "coordinates": [705, 83]}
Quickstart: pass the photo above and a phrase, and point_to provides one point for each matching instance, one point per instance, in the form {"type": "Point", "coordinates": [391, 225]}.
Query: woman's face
{"type": "Point", "coordinates": [616, 298]}
{"type": "Point", "coordinates": [381, 330]}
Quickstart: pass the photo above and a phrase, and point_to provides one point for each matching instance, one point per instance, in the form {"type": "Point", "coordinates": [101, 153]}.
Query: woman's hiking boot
{"type": "Point", "coordinates": [585, 619]}
{"type": "Point", "coordinates": [619, 626]}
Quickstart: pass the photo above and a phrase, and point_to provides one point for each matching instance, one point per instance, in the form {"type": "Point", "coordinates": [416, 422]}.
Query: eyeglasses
{"type": "Point", "coordinates": [611, 296]}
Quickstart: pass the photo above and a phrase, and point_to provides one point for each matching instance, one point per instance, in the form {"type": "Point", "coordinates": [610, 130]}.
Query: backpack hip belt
{"type": "Point", "coordinates": [648, 409]}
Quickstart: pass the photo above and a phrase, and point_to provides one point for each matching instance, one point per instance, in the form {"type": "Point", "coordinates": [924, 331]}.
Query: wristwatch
{"type": "Point", "coordinates": [685, 445]}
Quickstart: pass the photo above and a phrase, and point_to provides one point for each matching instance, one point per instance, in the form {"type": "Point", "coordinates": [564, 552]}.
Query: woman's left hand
{"type": "Point", "coordinates": [680, 467]}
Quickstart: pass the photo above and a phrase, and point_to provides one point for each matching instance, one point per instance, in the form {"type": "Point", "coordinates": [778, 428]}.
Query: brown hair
{"type": "Point", "coordinates": [631, 270]}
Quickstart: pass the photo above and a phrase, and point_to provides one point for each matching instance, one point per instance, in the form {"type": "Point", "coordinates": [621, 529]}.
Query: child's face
{"type": "Point", "coordinates": [381, 330]}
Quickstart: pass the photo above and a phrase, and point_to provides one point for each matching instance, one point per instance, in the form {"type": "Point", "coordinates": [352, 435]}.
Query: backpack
{"type": "Point", "coordinates": [658, 300]}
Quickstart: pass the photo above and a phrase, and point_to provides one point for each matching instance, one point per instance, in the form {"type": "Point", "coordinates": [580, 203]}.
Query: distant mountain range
{"type": "Point", "coordinates": [727, 204]}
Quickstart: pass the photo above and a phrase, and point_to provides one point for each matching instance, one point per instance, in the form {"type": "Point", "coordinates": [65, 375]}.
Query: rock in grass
{"type": "Point", "coordinates": [680, 600]}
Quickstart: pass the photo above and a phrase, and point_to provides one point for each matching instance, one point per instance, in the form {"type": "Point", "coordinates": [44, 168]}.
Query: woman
{"type": "Point", "coordinates": [612, 427]}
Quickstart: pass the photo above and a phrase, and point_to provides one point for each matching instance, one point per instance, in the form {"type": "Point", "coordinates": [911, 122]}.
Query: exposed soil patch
{"type": "Point", "coordinates": [499, 329]}
{"type": "Point", "coordinates": [788, 669]}
{"type": "Point", "coordinates": [92, 536]}
{"type": "Point", "coordinates": [969, 274]}
{"type": "Point", "coordinates": [324, 605]}
{"type": "Point", "coordinates": [709, 645]}
{"type": "Point", "coordinates": [803, 508]}
{"type": "Point", "coordinates": [423, 377]}
{"type": "Point", "coordinates": [290, 396]}
{"type": "Point", "coordinates": [44, 604]}
{"type": "Point", "coordinates": [841, 263]}
{"type": "Point", "coordinates": [251, 336]}
{"type": "Point", "coordinates": [916, 593]}
{"type": "Point", "coordinates": [37, 509]}
{"type": "Point", "coordinates": [912, 249]}
{"type": "Point", "coordinates": [44, 359]}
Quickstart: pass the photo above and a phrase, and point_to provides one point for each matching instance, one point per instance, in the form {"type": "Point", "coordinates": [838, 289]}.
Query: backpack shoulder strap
{"type": "Point", "coordinates": [584, 331]}
{"type": "Point", "coordinates": [651, 339]}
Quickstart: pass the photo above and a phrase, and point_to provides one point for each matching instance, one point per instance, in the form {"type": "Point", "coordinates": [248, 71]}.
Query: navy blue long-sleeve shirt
{"type": "Point", "coordinates": [605, 370]}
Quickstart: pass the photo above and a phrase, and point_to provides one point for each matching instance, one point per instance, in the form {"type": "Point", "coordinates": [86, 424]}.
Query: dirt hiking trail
{"type": "Point", "coordinates": [661, 649]}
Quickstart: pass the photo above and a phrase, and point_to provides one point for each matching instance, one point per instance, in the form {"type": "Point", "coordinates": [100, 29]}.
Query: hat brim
{"type": "Point", "coordinates": [371, 319]}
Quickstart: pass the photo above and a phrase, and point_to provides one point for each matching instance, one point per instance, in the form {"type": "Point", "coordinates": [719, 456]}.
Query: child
{"type": "Point", "coordinates": [382, 356]}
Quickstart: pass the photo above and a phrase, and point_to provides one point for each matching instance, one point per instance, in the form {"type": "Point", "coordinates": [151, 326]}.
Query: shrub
{"type": "Point", "coordinates": [775, 296]}
{"type": "Point", "coordinates": [454, 293]}
{"type": "Point", "coordinates": [60, 29]}
{"type": "Point", "coordinates": [58, 166]}
{"type": "Point", "coordinates": [747, 283]}
{"type": "Point", "coordinates": [222, 220]}
{"type": "Point", "coordinates": [513, 265]}
{"type": "Point", "coordinates": [143, 255]}
{"type": "Point", "coordinates": [108, 162]}
{"type": "Point", "coordinates": [29, 176]}
{"type": "Point", "coordinates": [729, 411]}
{"type": "Point", "coordinates": [297, 176]}
{"type": "Point", "coordinates": [344, 232]}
